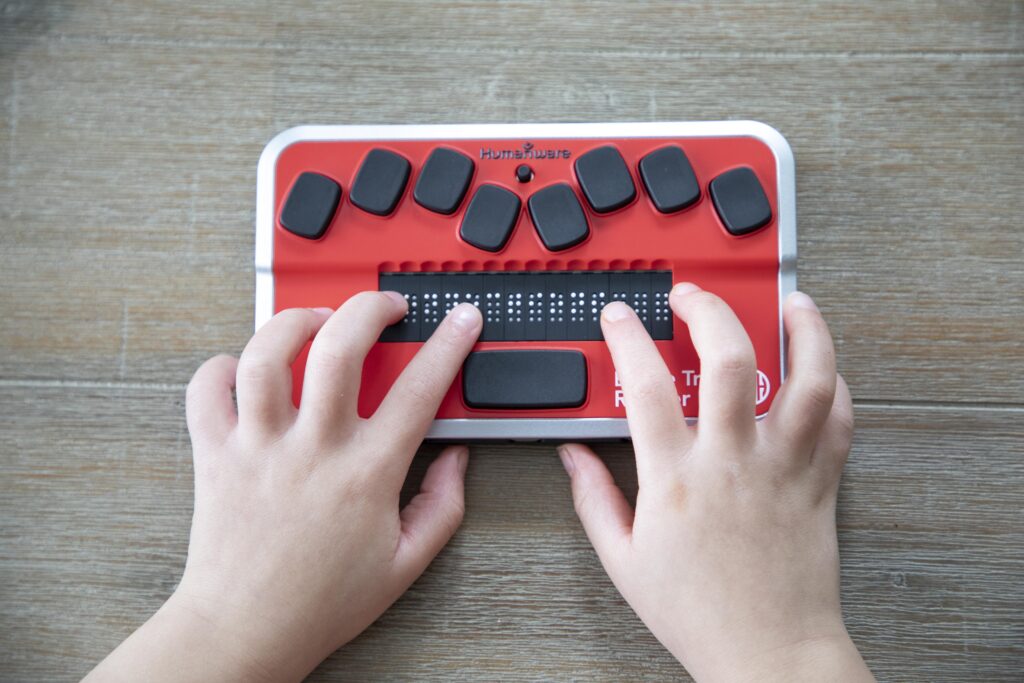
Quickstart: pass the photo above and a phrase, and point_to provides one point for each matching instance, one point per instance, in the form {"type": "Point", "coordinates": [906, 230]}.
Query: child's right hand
{"type": "Point", "coordinates": [731, 556]}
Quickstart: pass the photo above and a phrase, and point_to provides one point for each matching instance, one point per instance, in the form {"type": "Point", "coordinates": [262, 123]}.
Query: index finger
{"type": "Point", "coordinates": [405, 414]}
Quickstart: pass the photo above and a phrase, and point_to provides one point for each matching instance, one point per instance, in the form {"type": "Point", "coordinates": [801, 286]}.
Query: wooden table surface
{"type": "Point", "coordinates": [128, 146]}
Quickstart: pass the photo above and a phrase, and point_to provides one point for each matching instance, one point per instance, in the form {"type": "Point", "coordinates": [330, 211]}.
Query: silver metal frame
{"type": "Point", "coordinates": [528, 429]}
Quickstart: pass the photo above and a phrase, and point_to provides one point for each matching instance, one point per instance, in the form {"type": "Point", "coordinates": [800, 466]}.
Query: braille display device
{"type": "Point", "coordinates": [539, 226]}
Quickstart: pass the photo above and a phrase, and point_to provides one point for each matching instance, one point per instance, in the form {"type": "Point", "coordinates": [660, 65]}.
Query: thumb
{"type": "Point", "coordinates": [606, 515]}
{"type": "Point", "coordinates": [431, 518]}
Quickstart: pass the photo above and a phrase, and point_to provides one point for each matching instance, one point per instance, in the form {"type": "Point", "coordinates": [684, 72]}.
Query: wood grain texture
{"type": "Point", "coordinates": [525, 26]}
{"type": "Point", "coordinates": [96, 503]}
{"type": "Point", "coordinates": [129, 134]}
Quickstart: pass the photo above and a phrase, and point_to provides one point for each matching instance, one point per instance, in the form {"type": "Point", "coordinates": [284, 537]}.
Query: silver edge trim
{"type": "Point", "coordinates": [518, 428]}
{"type": "Point", "coordinates": [785, 173]}
{"type": "Point", "coordinates": [542, 429]}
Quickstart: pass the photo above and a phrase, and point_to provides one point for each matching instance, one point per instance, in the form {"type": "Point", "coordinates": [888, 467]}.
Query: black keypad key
{"type": "Point", "coordinates": [669, 179]}
{"type": "Point", "coordinates": [490, 217]}
{"type": "Point", "coordinates": [380, 182]}
{"type": "Point", "coordinates": [524, 379]}
{"type": "Point", "coordinates": [740, 201]}
{"type": "Point", "coordinates": [558, 217]}
{"type": "Point", "coordinates": [443, 181]}
{"type": "Point", "coordinates": [605, 180]}
{"type": "Point", "coordinates": [310, 205]}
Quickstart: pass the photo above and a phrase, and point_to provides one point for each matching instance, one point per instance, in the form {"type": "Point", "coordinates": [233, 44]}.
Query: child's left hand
{"type": "Point", "coordinates": [297, 540]}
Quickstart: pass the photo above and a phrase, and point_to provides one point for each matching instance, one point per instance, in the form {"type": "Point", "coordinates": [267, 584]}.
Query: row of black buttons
{"type": "Point", "coordinates": [556, 212]}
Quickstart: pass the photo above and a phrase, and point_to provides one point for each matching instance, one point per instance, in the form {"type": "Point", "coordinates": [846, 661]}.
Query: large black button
{"type": "Point", "coordinates": [558, 217]}
{"type": "Point", "coordinates": [669, 179]}
{"type": "Point", "coordinates": [740, 201]}
{"type": "Point", "coordinates": [443, 181]}
{"type": "Point", "coordinates": [490, 217]}
{"type": "Point", "coordinates": [524, 379]}
{"type": "Point", "coordinates": [310, 205]}
{"type": "Point", "coordinates": [605, 179]}
{"type": "Point", "coordinates": [380, 182]}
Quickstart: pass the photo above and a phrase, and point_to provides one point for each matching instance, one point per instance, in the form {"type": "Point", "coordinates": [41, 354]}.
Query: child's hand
{"type": "Point", "coordinates": [731, 557]}
{"type": "Point", "coordinates": [297, 540]}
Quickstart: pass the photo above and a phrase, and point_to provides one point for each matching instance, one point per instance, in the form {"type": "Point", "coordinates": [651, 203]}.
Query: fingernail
{"type": "Point", "coordinates": [465, 317]}
{"type": "Point", "coordinates": [684, 288]}
{"type": "Point", "coordinates": [801, 300]}
{"type": "Point", "coordinates": [616, 311]}
{"type": "Point", "coordinates": [396, 297]}
{"type": "Point", "coordinates": [566, 457]}
{"type": "Point", "coordinates": [323, 310]}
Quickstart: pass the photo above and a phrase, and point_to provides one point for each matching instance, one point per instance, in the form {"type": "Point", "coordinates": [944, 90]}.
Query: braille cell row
{"type": "Point", "coordinates": [530, 306]}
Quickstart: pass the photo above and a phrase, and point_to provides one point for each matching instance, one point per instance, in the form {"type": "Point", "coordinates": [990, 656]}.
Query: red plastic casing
{"type": "Point", "coordinates": [692, 243]}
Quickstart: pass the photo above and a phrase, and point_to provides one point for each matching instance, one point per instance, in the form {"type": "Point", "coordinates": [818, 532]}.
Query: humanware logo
{"type": "Point", "coordinates": [527, 151]}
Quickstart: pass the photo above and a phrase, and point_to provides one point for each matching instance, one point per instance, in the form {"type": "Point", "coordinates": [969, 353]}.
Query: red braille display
{"type": "Point", "coordinates": [539, 285]}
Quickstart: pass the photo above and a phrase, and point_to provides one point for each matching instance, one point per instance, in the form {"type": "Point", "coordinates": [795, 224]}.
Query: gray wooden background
{"type": "Point", "coordinates": [128, 147]}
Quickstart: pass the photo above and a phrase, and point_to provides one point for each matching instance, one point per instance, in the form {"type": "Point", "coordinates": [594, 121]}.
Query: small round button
{"type": "Point", "coordinates": [524, 173]}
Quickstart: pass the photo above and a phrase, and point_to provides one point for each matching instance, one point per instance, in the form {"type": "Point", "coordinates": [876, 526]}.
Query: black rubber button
{"type": "Point", "coordinates": [380, 182]}
{"type": "Point", "coordinates": [524, 379]}
{"type": "Point", "coordinates": [669, 179]}
{"type": "Point", "coordinates": [490, 217]}
{"type": "Point", "coordinates": [310, 205]}
{"type": "Point", "coordinates": [558, 217]}
{"type": "Point", "coordinates": [524, 173]}
{"type": "Point", "coordinates": [443, 181]}
{"type": "Point", "coordinates": [740, 201]}
{"type": "Point", "coordinates": [605, 179]}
